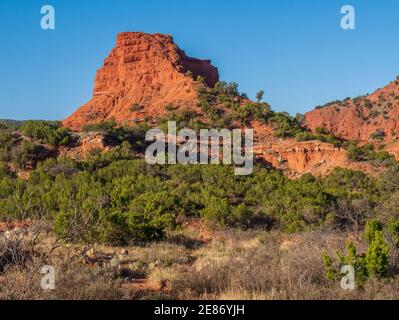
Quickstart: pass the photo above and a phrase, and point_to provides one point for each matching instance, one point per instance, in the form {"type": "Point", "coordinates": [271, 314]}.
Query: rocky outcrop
{"type": "Point", "coordinates": [370, 118]}
{"type": "Point", "coordinates": [85, 143]}
{"type": "Point", "coordinates": [142, 75]}
{"type": "Point", "coordinates": [298, 158]}
{"type": "Point", "coordinates": [315, 157]}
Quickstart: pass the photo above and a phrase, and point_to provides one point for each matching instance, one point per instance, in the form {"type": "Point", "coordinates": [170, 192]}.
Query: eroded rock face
{"type": "Point", "coordinates": [315, 157]}
{"type": "Point", "coordinates": [142, 75]}
{"type": "Point", "coordinates": [86, 143]}
{"type": "Point", "coordinates": [298, 158]}
{"type": "Point", "coordinates": [363, 119]}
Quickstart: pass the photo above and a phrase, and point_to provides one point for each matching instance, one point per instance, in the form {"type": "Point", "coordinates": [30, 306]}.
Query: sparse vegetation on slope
{"type": "Point", "coordinates": [46, 132]}
{"type": "Point", "coordinates": [367, 153]}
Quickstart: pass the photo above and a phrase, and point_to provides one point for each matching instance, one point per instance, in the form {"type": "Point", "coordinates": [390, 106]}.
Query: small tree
{"type": "Point", "coordinates": [299, 117]}
{"type": "Point", "coordinates": [372, 226]}
{"type": "Point", "coordinates": [170, 107]}
{"type": "Point", "coordinates": [48, 132]}
{"type": "Point", "coordinates": [378, 135]}
{"type": "Point", "coordinates": [259, 95]}
{"type": "Point", "coordinates": [377, 256]}
{"type": "Point", "coordinates": [373, 263]}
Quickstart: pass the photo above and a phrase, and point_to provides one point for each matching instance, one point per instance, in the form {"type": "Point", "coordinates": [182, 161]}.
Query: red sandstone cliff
{"type": "Point", "coordinates": [364, 119]}
{"type": "Point", "coordinates": [143, 74]}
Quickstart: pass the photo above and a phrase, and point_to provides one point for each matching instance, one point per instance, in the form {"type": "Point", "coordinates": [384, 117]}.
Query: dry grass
{"type": "Point", "coordinates": [233, 265]}
{"type": "Point", "coordinates": [251, 265]}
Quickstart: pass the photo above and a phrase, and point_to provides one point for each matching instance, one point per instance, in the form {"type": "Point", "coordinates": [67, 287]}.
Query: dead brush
{"type": "Point", "coordinates": [13, 253]}
{"type": "Point", "coordinates": [260, 265]}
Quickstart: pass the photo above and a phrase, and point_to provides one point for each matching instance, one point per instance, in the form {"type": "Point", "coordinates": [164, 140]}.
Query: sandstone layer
{"type": "Point", "coordinates": [142, 75]}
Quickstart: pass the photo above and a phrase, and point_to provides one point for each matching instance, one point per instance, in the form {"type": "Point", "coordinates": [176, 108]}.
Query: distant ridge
{"type": "Point", "coordinates": [11, 123]}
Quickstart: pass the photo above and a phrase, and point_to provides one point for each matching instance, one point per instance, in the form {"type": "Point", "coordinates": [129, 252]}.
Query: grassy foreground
{"type": "Point", "coordinates": [191, 263]}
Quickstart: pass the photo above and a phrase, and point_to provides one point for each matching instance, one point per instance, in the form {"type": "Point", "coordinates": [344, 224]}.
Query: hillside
{"type": "Point", "coordinates": [147, 79]}
{"type": "Point", "coordinates": [371, 118]}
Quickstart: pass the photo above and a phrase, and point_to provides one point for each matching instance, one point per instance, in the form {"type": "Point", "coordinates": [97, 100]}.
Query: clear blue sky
{"type": "Point", "coordinates": [294, 50]}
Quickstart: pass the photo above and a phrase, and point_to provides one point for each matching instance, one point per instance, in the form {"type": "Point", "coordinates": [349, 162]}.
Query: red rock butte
{"type": "Point", "coordinates": [142, 75]}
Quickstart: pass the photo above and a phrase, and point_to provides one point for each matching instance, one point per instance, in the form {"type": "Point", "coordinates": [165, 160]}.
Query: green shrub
{"type": "Point", "coordinates": [25, 154]}
{"type": "Point", "coordinates": [393, 231]}
{"type": "Point", "coordinates": [115, 135]}
{"type": "Point", "coordinates": [136, 107]}
{"type": "Point", "coordinates": [383, 158]}
{"type": "Point", "coordinates": [378, 135]}
{"type": "Point", "coordinates": [359, 153]}
{"type": "Point", "coordinates": [46, 132]}
{"type": "Point", "coordinates": [377, 256]}
{"type": "Point", "coordinates": [58, 166]}
{"type": "Point", "coordinates": [8, 140]}
{"type": "Point", "coordinates": [285, 125]}
{"type": "Point", "coordinates": [322, 135]}
{"type": "Point", "coordinates": [216, 210]}
{"type": "Point", "coordinates": [81, 208]}
{"type": "Point", "coordinates": [372, 226]}
{"type": "Point", "coordinates": [251, 111]}
{"type": "Point", "coordinates": [305, 136]}
{"type": "Point", "coordinates": [170, 107]}
{"type": "Point", "coordinates": [367, 153]}
{"type": "Point", "coordinates": [374, 113]}
{"type": "Point", "coordinates": [373, 263]}
{"type": "Point", "coordinates": [106, 127]}
{"type": "Point", "coordinates": [86, 212]}
{"type": "Point", "coordinates": [4, 170]}
{"type": "Point", "coordinates": [150, 215]}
